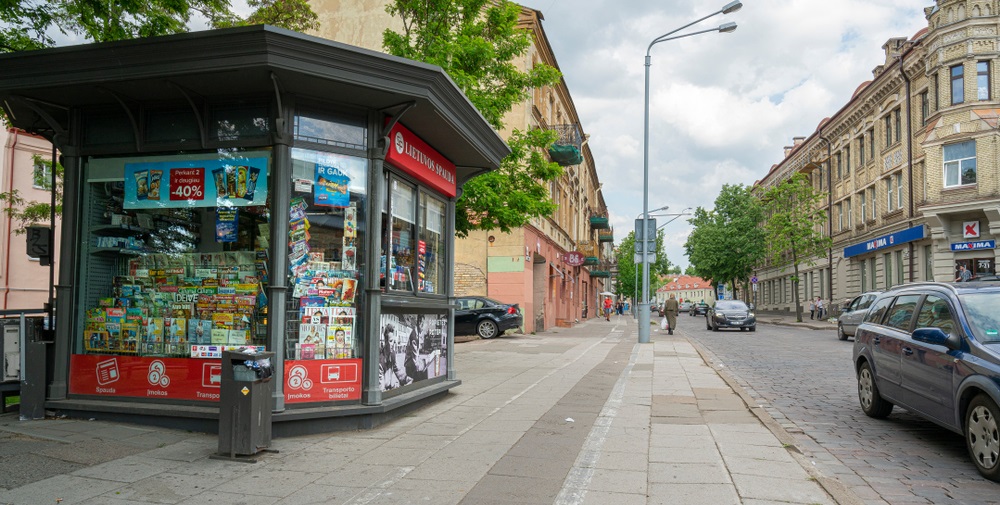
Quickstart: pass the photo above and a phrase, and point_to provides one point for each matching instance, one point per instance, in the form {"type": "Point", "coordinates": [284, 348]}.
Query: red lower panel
{"type": "Point", "coordinates": [133, 376]}
{"type": "Point", "coordinates": [314, 380]}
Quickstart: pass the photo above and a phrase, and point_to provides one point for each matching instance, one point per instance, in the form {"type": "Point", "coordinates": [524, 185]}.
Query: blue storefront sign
{"type": "Point", "coordinates": [974, 246]}
{"type": "Point", "coordinates": [892, 239]}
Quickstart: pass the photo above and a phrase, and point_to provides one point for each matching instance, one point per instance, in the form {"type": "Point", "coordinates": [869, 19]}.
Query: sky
{"type": "Point", "coordinates": [722, 105]}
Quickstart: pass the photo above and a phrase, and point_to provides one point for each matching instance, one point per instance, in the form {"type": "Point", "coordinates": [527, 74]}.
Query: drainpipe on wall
{"type": "Point", "coordinates": [10, 208]}
{"type": "Point", "coordinates": [829, 211]}
{"type": "Point", "coordinates": [909, 156]}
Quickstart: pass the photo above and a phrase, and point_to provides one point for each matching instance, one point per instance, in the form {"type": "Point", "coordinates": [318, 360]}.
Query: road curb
{"type": "Point", "coordinates": [837, 491]}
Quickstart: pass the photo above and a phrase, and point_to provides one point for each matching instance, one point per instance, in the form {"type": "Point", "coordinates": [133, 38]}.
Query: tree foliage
{"type": "Point", "coordinates": [478, 43]}
{"type": "Point", "coordinates": [629, 281]}
{"type": "Point", "coordinates": [794, 227]}
{"type": "Point", "coordinates": [28, 25]}
{"type": "Point", "coordinates": [31, 24]}
{"type": "Point", "coordinates": [727, 242]}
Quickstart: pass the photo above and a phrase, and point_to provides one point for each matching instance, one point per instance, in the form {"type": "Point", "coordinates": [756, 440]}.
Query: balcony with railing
{"type": "Point", "coordinates": [606, 236]}
{"type": "Point", "coordinates": [599, 222]}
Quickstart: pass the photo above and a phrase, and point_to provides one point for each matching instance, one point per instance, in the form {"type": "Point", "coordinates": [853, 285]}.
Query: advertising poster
{"type": "Point", "coordinates": [226, 221]}
{"type": "Point", "coordinates": [240, 182]}
{"type": "Point", "coordinates": [412, 348]}
{"type": "Point", "coordinates": [331, 188]}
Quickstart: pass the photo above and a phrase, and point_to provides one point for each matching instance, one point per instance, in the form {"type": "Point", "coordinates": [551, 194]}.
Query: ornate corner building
{"type": "Point", "coordinates": [909, 165]}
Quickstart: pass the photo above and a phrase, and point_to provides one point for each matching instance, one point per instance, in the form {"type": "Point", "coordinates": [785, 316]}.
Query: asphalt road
{"type": "Point", "coordinates": [804, 379]}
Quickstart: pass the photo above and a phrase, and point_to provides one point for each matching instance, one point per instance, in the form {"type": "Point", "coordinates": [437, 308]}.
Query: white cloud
{"type": "Point", "coordinates": [723, 106]}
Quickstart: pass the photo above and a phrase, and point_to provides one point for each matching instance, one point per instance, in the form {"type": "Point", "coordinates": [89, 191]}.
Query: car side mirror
{"type": "Point", "coordinates": [935, 336]}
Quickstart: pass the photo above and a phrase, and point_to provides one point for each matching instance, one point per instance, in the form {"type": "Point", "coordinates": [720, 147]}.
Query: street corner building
{"type": "Point", "coordinates": [250, 188]}
{"type": "Point", "coordinates": [908, 166]}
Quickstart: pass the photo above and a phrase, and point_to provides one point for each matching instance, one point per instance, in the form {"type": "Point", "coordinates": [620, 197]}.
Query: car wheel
{"type": "Point", "coordinates": [982, 436]}
{"type": "Point", "coordinates": [840, 332]}
{"type": "Point", "coordinates": [487, 329]}
{"type": "Point", "coordinates": [715, 327]}
{"type": "Point", "coordinates": [753, 328]}
{"type": "Point", "coordinates": [872, 402]}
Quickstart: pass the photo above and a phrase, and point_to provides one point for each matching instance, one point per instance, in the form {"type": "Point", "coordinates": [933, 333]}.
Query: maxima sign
{"type": "Point", "coordinates": [974, 246]}
{"type": "Point", "coordinates": [892, 239]}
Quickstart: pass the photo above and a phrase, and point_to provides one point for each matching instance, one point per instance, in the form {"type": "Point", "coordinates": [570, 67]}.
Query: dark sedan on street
{"type": "Point", "coordinates": [730, 314]}
{"type": "Point", "coordinates": [698, 309]}
{"type": "Point", "coordinates": [486, 317]}
{"type": "Point", "coordinates": [934, 350]}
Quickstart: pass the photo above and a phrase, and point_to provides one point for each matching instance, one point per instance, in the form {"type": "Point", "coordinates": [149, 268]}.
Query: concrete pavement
{"type": "Point", "coordinates": [581, 415]}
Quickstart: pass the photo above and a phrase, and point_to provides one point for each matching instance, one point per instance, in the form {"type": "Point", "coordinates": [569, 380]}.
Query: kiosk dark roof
{"type": "Point", "coordinates": [232, 62]}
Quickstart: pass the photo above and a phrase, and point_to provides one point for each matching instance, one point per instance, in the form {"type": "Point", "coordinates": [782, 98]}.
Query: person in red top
{"type": "Point", "coordinates": [607, 308]}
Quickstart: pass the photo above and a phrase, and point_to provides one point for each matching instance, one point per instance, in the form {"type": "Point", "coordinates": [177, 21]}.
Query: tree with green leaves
{"type": "Point", "coordinates": [478, 43]}
{"type": "Point", "coordinates": [28, 25]}
{"type": "Point", "coordinates": [794, 227]}
{"type": "Point", "coordinates": [31, 24]}
{"type": "Point", "coordinates": [727, 242]}
{"type": "Point", "coordinates": [629, 282]}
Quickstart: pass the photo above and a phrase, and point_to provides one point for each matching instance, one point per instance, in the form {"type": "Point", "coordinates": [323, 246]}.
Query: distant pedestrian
{"type": "Point", "coordinates": [820, 308]}
{"type": "Point", "coordinates": [607, 308]}
{"type": "Point", "coordinates": [964, 275]}
{"type": "Point", "coordinates": [812, 309]}
{"type": "Point", "coordinates": [670, 309]}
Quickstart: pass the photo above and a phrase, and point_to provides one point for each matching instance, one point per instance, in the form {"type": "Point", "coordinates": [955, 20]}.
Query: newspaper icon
{"type": "Point", "coordinates": [107, 372]}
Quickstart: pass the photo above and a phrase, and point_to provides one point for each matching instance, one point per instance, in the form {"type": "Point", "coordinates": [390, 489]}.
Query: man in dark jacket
{"type": "Point", "coordinates": [670, 310]}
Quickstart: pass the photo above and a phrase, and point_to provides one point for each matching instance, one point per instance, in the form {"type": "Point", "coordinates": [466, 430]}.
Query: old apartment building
{"type": "Point", "coordinates": [909, 165]}
{"type": "Point", "coordinates": [555, 267]}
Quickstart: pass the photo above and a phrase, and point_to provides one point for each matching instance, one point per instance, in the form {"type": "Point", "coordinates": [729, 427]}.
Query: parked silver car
{"type": "Point", "coordinates": [853, 314]}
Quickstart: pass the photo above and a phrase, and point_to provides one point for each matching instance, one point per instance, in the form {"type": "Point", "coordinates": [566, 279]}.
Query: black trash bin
{"type": "Point", "coordinates": [245, 404]}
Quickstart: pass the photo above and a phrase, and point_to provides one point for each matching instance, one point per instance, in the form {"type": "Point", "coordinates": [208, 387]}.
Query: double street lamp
{"type": "Point", "coordinates": [725, 28]}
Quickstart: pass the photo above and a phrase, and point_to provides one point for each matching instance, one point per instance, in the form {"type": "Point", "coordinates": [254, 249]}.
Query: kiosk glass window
{"type": "Point", "coordinates": [325, 255]}
{"type": "Point", "coordinates": [174, 265]}
{"type": "Point", "coordinates": [402, 204]}
{"type": "Point", "coordinates": [431, 246]}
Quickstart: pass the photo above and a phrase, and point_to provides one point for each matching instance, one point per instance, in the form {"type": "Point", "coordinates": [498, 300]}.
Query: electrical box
{"type": "Point", "coordinates": [11, 336]}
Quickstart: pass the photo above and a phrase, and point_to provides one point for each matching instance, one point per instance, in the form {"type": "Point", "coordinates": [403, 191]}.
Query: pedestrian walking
{"type": "Point", "coordinates": [812, 309]}
{"type": "Point", "coordinates": [964, 275]}
{"type": "Point", "coordinates": [670, 309]}
{"type": "Point", "coordinates": [819, 308]}
{"type": "Point", "coordinates": [607, 308]}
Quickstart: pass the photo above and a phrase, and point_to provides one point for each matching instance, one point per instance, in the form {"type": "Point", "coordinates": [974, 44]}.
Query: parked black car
{"type": "Point", "coordinates": [699, 309]}
{"type": "Point", "coordinates": [934, 349]}
{"type": "Point", "coordinates": [730, 314]}
{"type": "Point", "coordinates": [485, 317]}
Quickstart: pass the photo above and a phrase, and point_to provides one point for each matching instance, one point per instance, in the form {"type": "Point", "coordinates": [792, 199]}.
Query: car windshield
{"type": "Point", "coordinates": [726, 305]}
{"type": "Point", "coordinates": [981, 310]}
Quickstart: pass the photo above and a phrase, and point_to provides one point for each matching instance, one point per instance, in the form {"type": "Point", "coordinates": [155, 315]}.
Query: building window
{"type": "Point", "coordinates": [899, 190]}
{"type": "Point", "coordinates": [888, 130]}
{"type": "Point", "coordinates": [847, 158]}
{"type": "Point", "coordinates": [983, 80]}
{"type": "Point", "coordinates": [960, 164]}
{"type": "Point", "coordinates": [871, 273]}
{"type": "Point", "coordinates": [899, 267]}
{"type": "Point", "coordinates": [887, 269]}
{"type": "Point", "coordinates": [928, 263]}
{"type": "Point", "coordinates": [937, 87]}
{"type": "Point", "coordinates": [42, 174]}
{"type": "Point", "coordinates": [897, 118]}
{"type": "Point", "coordinates": [849, 220]}
{"type": "Point", "coordinates": [890, 187]}
{"type": "Point", "coordinates": [871, 144]}
{"type": "Point", "coordinates": [861, 150]}
{"type": "Point", "coordinates": [872, 202]}
{"type": "Point", "coordinates": [864, 277]}
{"type": "Point", "coordinates": [840, 167]}
{"type": "Point", "coordinates": [925, 107]}
{"type": "Point", "coordinates": [957, 84]}
{"type": "Point", "coordinates": [840, 217]}
{"type": "Point", "coordinates": [864, 207]}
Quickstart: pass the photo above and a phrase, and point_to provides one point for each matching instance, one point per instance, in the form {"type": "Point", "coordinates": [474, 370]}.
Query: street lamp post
{"type": "Point", "coordinates": [635, 278]}
{"type": "Point", "coordinates": [725, 28]}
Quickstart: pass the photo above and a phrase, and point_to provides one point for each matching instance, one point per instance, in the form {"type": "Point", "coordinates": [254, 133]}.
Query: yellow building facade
{"type": "Point", "coordinates": [909, 166]}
